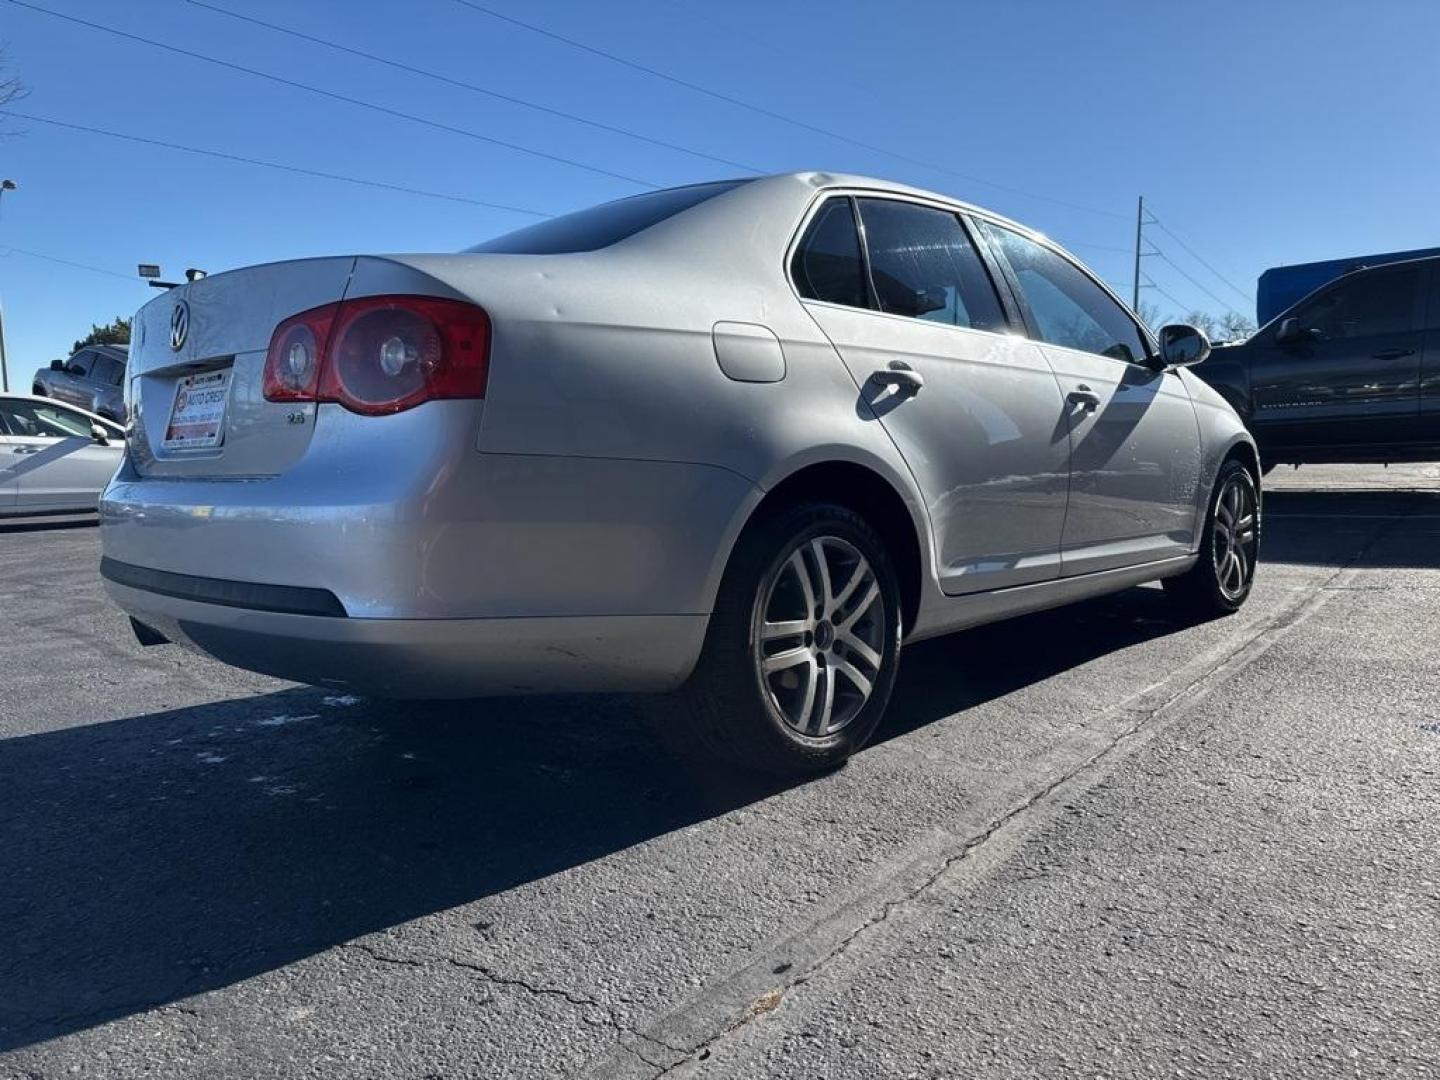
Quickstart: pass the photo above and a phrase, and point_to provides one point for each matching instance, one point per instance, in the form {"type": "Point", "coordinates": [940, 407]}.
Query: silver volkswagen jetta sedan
{"type": "Point", "coordinates": [737, 440]}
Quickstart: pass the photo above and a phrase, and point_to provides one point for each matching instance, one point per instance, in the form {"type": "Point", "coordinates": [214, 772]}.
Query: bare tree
{"type": "Point", "coordinates": [1235, 327]}
{"type": "Point", "coordinates": [11, 88]}
{"type": "Point", "coordinates": [1204, 321]}
{"type": "Point", "coordinates": [1149, 313]}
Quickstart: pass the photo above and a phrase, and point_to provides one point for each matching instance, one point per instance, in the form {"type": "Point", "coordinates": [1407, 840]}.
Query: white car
{"type": "Point", "coordinates": [54, 458]}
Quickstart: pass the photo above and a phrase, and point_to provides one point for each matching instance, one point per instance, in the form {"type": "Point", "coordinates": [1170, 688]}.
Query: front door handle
{"type": "Point", "coordinates": [1083, 396]}
{"type": "Point", "coordinates": [1391, 354]}
{"type": "Point", "coordinates": [901, 376]}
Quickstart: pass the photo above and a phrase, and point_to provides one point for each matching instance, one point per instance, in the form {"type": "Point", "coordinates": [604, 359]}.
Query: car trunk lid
{"type": "Point", "coordinates": [195, 373]}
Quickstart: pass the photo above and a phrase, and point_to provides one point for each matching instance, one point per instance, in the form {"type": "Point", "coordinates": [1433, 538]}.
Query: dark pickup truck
{"type": "Point", "coordinates": [1349, 373]}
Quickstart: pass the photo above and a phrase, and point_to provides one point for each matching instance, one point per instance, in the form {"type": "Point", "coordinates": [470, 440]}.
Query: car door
{"type": "Point", "coordinates": [9, 473]}
{"type": "Point", "coordinates": [1429, 420]}
{"type": "Point", "coordinates": [70, 385]}
{"type": "Point", "coordinates": [901, 291]}
{"type": "Point", "coordinates": [1351, 375]}
{"type": "Point", "coordinates": [1134, 440]}
{"type": "Point", "coordinates": [52, 458]}
{"type": "Point", "coordinates": [105, 377]}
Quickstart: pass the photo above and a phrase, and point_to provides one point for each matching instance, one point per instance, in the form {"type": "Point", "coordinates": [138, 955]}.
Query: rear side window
{"type": "Point", "coordinates": [106, 371]}
{"type": "Point", "coordinates": [1068, 308]}
{"type": "Point", "coordinates": [827, 264]}
{"type": "Point", "coordinates": [603, 225]}
{"type": "Point", "coordinates": [1365, 306]}
{"type": "Point", "coordinates": [923, 264]}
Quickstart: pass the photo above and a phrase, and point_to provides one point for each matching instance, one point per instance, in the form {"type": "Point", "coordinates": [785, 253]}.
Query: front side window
{"type": "Point", "coordinates": [80, 363]}
{"type": "Point", "coordinates": [827, 264]}
{"type": "Point", "coordinates": [1068, 308]}
{"type": "Point", "coordinates": [923, 264]}
{"type": "Point", "coordinates": [32, 418]}
{"type": "Point", "coordinates": [1365, 306]}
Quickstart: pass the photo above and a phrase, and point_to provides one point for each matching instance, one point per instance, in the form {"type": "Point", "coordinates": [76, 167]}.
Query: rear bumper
{"type": "Point", "coordinates": [449, 533]}
{"type": "Point", "coordinates": [431, 658]}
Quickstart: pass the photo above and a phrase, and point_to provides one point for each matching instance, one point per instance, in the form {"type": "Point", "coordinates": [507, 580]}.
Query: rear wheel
{"type": "Point", "coordinates": [802, 650]}
{"type": "Point", "coordinates": [1221, 578]}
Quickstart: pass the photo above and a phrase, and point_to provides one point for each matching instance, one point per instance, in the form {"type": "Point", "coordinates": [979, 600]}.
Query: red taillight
{"type": "Point", "coordinates": [292, 365]}
{"type": "Point", "coordinates": [380, 354]}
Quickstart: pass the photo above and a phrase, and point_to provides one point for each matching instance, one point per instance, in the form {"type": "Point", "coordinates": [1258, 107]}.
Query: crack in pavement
{"type": "Point", "coordinates": [490, 975]}
{"type": "Point", "coordinates": [1145, 724]}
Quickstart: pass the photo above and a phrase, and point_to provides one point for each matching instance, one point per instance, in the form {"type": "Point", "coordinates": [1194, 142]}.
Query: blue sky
{"type": "Point", "coordinates": [1260, 133]}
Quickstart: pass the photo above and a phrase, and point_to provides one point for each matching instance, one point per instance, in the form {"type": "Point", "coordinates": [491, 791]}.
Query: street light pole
{"type": "Point", "coordinates": [5, 185]}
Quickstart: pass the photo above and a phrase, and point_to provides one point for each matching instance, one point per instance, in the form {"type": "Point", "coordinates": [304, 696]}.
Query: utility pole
{"type": "Point", "coordinates": [5, 185]}
{"type": "Point", "coordinates": [1139, 240]}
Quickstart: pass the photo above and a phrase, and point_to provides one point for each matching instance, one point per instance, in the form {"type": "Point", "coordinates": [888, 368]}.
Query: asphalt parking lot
{"type": "Point", "coordinates": [1091, 842]}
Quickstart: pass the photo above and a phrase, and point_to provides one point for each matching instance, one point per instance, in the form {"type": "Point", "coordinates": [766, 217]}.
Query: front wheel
{"type": "Point", "coordinates": [802, 650]}
{"type": "Point", "coordinates": [1221, 578]}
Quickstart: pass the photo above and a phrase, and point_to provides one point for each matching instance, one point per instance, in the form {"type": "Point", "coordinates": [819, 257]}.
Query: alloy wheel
{"type": "Point", "coordinates": [820, 636]}
{"type": "Point", "coordinates": [1236, 536]}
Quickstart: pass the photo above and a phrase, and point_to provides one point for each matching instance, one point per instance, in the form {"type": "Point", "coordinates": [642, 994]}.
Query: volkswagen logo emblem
{"type": "Point", "coordinates": [179, 325]}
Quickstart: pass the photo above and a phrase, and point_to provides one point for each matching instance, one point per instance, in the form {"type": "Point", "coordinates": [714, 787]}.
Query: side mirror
{"type": "Point", "coordinates": [1292, 333]}
{"type": "Point", "coordinates": [57, 365]}
{"type": "Point", "coordinates": [99, 434]}
{"type": "Point", "coordinates": [1182, 345]}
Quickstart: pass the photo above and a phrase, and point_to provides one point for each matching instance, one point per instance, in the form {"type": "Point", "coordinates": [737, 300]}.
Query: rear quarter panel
{"type": "Point", "coordinates": [608, 356]}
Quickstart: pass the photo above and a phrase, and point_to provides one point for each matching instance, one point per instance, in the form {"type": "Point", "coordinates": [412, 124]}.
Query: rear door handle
{"type": "Point", "coordinates": [1391, 354]}
{"type": "Point", "coordinates": [901, 376]}
{"type": "Point", "coordinates": [1083, 396]}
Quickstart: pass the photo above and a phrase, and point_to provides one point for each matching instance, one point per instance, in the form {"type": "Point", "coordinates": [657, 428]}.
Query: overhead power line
{"type": "Point", "coordinates": [333, 95]}
{"type": "Point", "coordinates": [6, 249]}
{"type": "Point", "coordinates": [462, 84]}
{"type": "Point", "coordinates": [1195, 255]}
{"type": "Point", "coordinates": [300, 170]}
{"type": "Point", "coordinates": [772, 114]}
{"type": "Point", "coordinates": [1181, 271]}
{"type": "Point", "coordinates": [1180, 308]}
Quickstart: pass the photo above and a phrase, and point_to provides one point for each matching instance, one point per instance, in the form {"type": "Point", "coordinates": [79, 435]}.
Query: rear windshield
{"type": "Point", "coordinates": [603, 225]}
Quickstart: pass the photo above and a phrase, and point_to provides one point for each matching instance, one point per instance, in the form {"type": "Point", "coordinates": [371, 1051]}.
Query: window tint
{"type": "Point", "coordinates": [34, 418]}
{"type": "Point", "coordinates": [827, 264]}
{"type": "Point", "coordinates": [923, 264]}
{"type": "Point", "coordinates": [81, 362]}
{"type": "Point", "coordinates": [601, 226]}
{"type": "Point", "coordinates": [1370, 304]}
{"type": "Point", "coordinates": [1069, 309]}
{"type": "Point", "coordinates": [106, 371]}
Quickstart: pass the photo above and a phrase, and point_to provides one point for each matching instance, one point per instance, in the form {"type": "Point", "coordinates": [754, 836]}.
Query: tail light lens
{"type": "Point", "coordinates": [380, 354]}
{"type": "Point", "coordinates": [292, 366]}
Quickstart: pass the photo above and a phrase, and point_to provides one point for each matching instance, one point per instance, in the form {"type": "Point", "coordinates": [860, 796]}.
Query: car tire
{"type": "Point", "coordinates": [1221, 579]}
{"type": "Point", "coordinates": [807, 617]}
{"type": "Point", "coordinates": [37, 391]}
